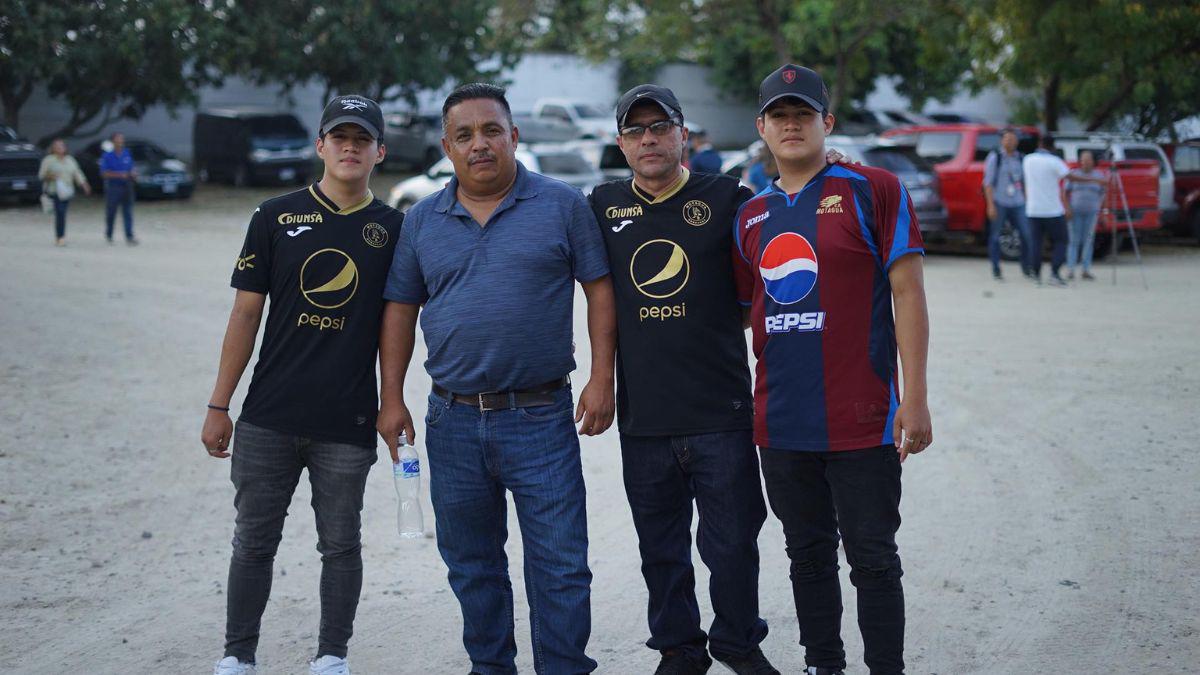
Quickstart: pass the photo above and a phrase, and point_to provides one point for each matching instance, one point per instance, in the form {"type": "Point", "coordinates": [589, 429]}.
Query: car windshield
{"type": "Point", "coordinates": [990, 140]}
{"type": "Point", "coordinates": [898, 160]}
{"type": "Point", "coordinates": [938, 146]}
{"type": "Point", "coordinates": [1147, 153]}
{"type": "Point", "coordinates": [144, 152]}
{"type": "Point", "coordinates": [563, 163]}
{"type": "Point", "coordinates": [588, 110]}
{"type": "Point", "coordinates": [276, 126]}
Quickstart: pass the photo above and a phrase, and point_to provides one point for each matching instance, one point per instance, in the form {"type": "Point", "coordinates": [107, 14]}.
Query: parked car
{"type": "Point", "coordinates": [248, 145]}
{"type": "Point", "coordinates": [562, 163]}
{"type": "Point", "coordinates": [414, 140]}
{"type": "Point", "coordinates": [19, 163]}
{"type": "Point", "coordinates": [1185, 162]}
{"type": "Point", "coordinates": [1120, 148]}
{"type": "Point", "coordinates": [544, 129]}
{"type": "Point", "coordinates": [915, 172]}
{"type": "Point", "coordinates": [947, 117]}
{"type": "Point", "coordinates": [593, 121]}
{"type": "Point", "coordinates": [958, 151]}
{"type": "Point", "coordinates": [868, 121]}
{"type": "Point", "coordinates": [158, 174]}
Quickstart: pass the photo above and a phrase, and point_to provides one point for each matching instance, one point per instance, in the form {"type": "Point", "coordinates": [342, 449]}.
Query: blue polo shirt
{"type": "Point", "coordinates": [112, 161]}
{"type": "Point", "coordinates": [498, 299]}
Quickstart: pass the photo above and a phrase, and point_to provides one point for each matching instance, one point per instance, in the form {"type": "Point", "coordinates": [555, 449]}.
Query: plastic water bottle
{"type": "Point", "coordinates": [406, 473]}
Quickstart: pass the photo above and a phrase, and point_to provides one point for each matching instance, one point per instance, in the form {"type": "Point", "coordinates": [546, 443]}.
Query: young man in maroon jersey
{"type": "Point", "coordinates": [822, 255]}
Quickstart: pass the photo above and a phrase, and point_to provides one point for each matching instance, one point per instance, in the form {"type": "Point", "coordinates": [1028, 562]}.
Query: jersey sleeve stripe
{"type": "Point", "coordinates": [862, 227]}
{"type": "Point", "coordinates": [839, 171]}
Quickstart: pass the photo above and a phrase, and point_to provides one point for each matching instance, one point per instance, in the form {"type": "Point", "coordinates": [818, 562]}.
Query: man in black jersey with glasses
{"type": "Point", "coordinates": [683, 389]}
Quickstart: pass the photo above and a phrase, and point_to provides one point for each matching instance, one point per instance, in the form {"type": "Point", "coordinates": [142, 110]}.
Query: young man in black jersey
{"type": "Point", "coordinates": [321, 255]}
{"type": "Point", "coordinates": [683, 389]}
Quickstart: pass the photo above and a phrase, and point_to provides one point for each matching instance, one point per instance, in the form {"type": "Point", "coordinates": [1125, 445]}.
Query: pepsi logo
{"type": "Point", "coordinates": [789, 268]}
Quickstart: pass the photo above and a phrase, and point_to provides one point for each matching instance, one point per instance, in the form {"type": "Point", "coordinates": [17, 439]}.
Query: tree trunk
{"type": "Point", "coordinates": [1110, 106]}
{"type": "Point", "coordinates": [1050, 102]}
{"type": "Point", "coordinates": [13, 100]}
{"type": "Point", "coordinates": [839, 81]}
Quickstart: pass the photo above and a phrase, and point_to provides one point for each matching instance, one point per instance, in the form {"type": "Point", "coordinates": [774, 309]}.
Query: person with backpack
{"type": "Point", "coordinates": [1004, 192]}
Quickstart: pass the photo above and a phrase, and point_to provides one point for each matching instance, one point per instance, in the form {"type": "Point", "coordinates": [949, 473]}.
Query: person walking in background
{"type": "Point", "coordinates": [704, 158]}
{"type": "Point", "coordinates": [116, 168]}
{"type": "Point", "coordinates": [1047, 209]}
{"type": "Point", "coordinates": [762, 171]}
{"type": "Point", "coordinates": [60, 174]}
{"type": "Point", "coordinates": [1086, 187]}
{"type": "Point", "coordinates": [1004, 192]}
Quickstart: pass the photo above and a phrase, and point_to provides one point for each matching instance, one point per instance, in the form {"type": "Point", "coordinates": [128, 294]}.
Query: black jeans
{"type": "Point", "coordinates": [60, 217]}
{"type": "Point", "coordinates": [266, 467]}
{"type": "Point", "coordinates": [663, 475]}
{"type": "Point", "coordinates": [1056, 230]}
{"type": "Point", "coordinates": [815, 495]}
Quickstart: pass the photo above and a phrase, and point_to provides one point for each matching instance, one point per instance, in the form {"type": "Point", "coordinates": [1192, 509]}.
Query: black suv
{"type": "Point", "coordinates": [246, 145]}
{"type": "Point", "coordinates": [19, 164]}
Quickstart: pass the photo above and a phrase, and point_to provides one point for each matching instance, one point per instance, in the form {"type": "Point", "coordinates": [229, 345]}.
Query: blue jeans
{"type": "Point", "coordinates": [474, 458]}
{"type": "Point", "coordinates": [1080, 237]}
{"type": "Point", "coordinates": [118, 193]}
{"type": "Point", "coordinates": [60, 216]}
{"type": "Point", "coordinates": [663, 475]}
{"type": "Point", "coordinates": [266, 467]}
{"type": "Point", "coordinates": [1015, 215]}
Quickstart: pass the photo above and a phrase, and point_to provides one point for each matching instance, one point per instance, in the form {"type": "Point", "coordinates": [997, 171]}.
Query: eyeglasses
{"type": "Point", "coordinates": [659, 128]}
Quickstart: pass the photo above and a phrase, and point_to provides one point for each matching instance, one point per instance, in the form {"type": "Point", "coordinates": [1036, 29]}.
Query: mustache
{"type": "Point", "coordinates": [481, 157]}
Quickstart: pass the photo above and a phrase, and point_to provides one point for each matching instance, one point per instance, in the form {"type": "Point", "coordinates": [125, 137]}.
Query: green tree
{"type": "Point", "coordinates": [385, 49]}
{"type": "Point", "coordinates": [1102, 60]}
{"type": "Point", "coordinates": [102, 60]}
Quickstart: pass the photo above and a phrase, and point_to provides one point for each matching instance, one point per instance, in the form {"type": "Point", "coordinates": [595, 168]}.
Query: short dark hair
{"type": "Point", "coordinates": [476, 90]}
{"type": "Point", "coordinates": [1046, 142]}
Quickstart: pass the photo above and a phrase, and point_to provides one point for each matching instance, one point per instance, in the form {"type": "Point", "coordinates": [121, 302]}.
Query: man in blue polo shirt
{"type": "Point", "coordinates": [493, 259]}
{"type": "Point", "coordinates": [116, 168]}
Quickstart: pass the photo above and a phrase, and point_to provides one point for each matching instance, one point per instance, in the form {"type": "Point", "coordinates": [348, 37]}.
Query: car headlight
{"type": "Point", "coordinates": [260, 155]}
{"type": "Point", "coordinates": [174, 165]}
{"type": "Point", "coordinates": [307, 152]}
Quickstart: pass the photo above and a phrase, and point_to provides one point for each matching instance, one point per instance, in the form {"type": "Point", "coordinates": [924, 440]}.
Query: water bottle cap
{"type": "Point", "coordinates": [403, 440]}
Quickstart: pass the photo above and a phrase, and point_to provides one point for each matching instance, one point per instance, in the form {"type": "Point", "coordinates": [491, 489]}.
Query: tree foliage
{"type": "Point", "coordinates": [102, 60]}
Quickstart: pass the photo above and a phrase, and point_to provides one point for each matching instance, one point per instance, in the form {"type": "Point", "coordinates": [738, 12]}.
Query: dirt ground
{"type": "Point", "coordinates": [1053, 527]}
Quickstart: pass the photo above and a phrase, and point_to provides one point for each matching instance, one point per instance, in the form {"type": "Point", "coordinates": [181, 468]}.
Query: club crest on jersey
{"type": "Point", "coordinates": [375, 235]}
{"type": "Point", "coordinates": [696, 213]}
{"type": "Point", "coordinates": [830, 204]}
{"type": "Point", "coordinates": [788, 267]}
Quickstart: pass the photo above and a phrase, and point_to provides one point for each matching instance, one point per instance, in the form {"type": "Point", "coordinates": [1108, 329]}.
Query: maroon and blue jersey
{"type": "Point", "coordinates": [813, 268]}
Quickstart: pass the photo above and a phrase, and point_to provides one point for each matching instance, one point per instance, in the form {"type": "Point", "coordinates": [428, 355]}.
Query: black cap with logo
{"type": "Point", "coordinates": [797, 82]}
{"type": "Point", "coordinates": [352, 109]}
{"type": "Point", "coordinates": [649, 92]}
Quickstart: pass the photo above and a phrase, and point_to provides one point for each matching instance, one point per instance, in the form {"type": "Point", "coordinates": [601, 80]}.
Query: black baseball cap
{"type": "Point", "coordinates": [797, 82]}
{"type": "Point", "coordinates": [352, 109]}
{"type": "Point", "coordinates": [649, 92]}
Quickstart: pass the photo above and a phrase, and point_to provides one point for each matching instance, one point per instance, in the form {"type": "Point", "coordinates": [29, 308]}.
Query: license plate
{"type": "Point", "coordinates": [170, 189]}
{"type": "Point", "coordinates": [20, 185]}
{"type": "Point", "coordinates": [287, 174]}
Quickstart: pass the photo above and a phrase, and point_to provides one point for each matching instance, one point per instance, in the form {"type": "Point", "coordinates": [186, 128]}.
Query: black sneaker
{"type": "Point", "coordinates": [814, 670]}
{"type": "Point", "coordinates": [754, 663]}
{"type": "Point", "coordinates": [683, 662]}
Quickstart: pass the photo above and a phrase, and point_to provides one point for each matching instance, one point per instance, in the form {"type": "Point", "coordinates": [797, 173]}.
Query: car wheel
{"type": "Point", "coordinates": [1010, 242]}
{"type": "Point", "coordinates": [241, 176]}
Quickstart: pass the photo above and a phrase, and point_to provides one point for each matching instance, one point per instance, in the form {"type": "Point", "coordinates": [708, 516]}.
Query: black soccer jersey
{"type": "Point", "coordinates": [681, 350]}
{"type": "Point", "coordinates": [323, 269]}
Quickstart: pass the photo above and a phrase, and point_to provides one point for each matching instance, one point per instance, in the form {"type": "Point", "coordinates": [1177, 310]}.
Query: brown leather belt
{"type": "Point", "coordinates": [542, 394]}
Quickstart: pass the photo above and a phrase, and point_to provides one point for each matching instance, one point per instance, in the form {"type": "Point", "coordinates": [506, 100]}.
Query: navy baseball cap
{"type": "Point", "coordinates": [796, 82]}
{"type": "Point", "coordinates": [664, 97]}
{"type": "Point", "coordinates": [352, 109]}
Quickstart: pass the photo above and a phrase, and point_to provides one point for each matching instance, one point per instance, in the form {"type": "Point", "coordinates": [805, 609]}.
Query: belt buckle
{"type": "Point", "coordinates": [479, 398]}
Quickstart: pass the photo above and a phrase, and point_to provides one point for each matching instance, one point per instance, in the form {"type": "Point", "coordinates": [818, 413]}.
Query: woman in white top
{"type": "Point", "coordinates": [60, 174]}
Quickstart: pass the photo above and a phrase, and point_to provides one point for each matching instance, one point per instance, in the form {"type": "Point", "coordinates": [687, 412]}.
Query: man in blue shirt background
{"type": "Point", "coordinates": [490, 264]}
{"type": "Point", "coordinates": [116, 167]}
{"type": "Point", "coordinates": [704, 158]}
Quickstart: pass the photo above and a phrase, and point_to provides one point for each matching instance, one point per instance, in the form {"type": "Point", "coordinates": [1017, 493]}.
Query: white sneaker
{"type": "Point", "coordinates": [231, 666]}
{"type": "Point", "coordinates": [329, 665]}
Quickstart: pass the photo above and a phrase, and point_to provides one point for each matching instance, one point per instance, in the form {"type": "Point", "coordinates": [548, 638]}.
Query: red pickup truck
{"type": "Point", "coordinates": [1185, 157]}
{"type": "Point", "coordinates": [958, 152]}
